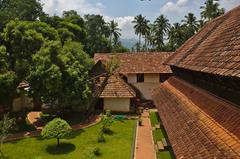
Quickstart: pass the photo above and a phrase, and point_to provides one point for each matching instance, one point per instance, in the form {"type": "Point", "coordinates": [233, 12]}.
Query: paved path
{"type": "Point", "coordinates": [144, 142]}
{"type": "Point", "coordinates": [35, 119]}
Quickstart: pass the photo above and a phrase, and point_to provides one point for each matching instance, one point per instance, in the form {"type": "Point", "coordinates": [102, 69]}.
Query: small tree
{"type": "Point", "coordinates": [107, 121]}
{"type": "Point", "coordinates": [5, 125]}
{"type": "Point", "coordinates": [57, 128]}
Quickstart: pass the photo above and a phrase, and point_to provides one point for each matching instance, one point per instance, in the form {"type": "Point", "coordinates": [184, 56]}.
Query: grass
{"type": "Point", "coordinates": [117, 145]}
{"type": "Point", "coordinates": [158, 135]}
{"type": "Point", "coordinates": [168, 154]}
{"type": "Point", "coordinates": [154, 117]}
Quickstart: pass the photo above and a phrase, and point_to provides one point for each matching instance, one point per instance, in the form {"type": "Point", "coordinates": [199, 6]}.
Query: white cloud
{"type": "Point", "coordinates": [81, 6]}
{"type": "Point", "coordinates": [174, 7]}
{"type": "Point", "coordinates": [125, 24]}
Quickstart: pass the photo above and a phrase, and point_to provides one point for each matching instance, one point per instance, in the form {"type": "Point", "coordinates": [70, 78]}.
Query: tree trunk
{"type": "Point", "coordinates": [58, 141]}
{"type": "Point", "coordinates": [139, 47]}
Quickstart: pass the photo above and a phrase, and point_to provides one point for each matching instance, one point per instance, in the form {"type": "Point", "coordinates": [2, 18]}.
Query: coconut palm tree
{"type": "Point", "coordinates": [141, 27]}
{"type": "Point", "coordinates": [176, 36]}
{"type": "Point", "coordinates": [146, 31]}
{"type": "Point", "coordinates": [114, 31]}
{"type": "Point", "coordinates": [211, 10]}
{"type": "Point", "coordinates": [191, 24]}
{"type": "Point", "coordinates": [161, 28]}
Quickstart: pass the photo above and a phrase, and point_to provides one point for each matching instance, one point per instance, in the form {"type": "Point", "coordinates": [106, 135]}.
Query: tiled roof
{"type": "Point", "coordinates": [198, 124]}
{"type": "Point", "coordinates": [23, 84]}
{"type": "Point", "coordinates": [140, 62]}
{"type": "Point", "coordinates": [214, 49]}
{"type": "Point", "coordinates": [117, 88]}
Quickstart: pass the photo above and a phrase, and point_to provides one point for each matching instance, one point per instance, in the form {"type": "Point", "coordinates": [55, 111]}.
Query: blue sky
{"type": "Point", "coordinates": [123, 11]}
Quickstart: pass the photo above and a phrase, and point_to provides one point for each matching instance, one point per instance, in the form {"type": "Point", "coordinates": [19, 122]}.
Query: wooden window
{"type": "Point", "coordinates": [140, 77]}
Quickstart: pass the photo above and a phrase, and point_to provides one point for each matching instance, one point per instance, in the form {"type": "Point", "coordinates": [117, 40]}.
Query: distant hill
{"type": "Point", "coordinates": [128, 43]}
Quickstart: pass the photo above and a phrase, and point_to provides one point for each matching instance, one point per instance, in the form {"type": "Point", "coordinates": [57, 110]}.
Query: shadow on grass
{"type": "Point", "coordinates": [109, 132]}
{"type": "Point", "coordinates": [63, 148]}
{"type": "Point", "coordinates": [75, 134]}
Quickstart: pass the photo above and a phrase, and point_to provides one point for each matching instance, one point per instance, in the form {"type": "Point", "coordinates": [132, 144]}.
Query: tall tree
{"type": "Point", "coordinates": [177, 36]}
{"type": "Point", "coordinates": [191, 24]}
{"type": "Point", "coordinates": [59, 75]}
{"type": "Point", "coordinates": [8, 80]}
{"type": "Point", "coordinates": [141, 25]}
{"type": "Point", "coordinates": [114, 32]}
{"type": "Point", "coordinates": [98, 34]}
{"type": "Point", "coordinates": [23, 39]}
{"type": "Point", "coordinates": [29, 10]}
{"type": "Point", "coordinates": [211, 10]}
{"type": "Point", "coordinates": [161, 28]}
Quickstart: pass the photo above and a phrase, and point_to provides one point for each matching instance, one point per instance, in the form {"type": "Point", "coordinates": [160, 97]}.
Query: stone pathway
{"type": "Point", "coordinates": [34, 119]}
{"type": "Point", "coordinates": [144, 141]}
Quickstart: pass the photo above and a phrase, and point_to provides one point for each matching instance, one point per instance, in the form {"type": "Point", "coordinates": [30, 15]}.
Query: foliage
{"type": "Point", "coordinates": [107, 121]}
{"type": "Point", "coordinates": [57, 128]}
{"type": "Point", "coordinates": [8, 81]}
{"type": "Point", "coordinates": [119, 48]}
{"type": "Point", "coordinates": [22, 40]}
{"type": "Point", "coordinates": [141, 28]}
{"type": "Point", "coordinates": [98, 33]}
{"type": "Point", "coordinates": [5, 125]}
{"type": "Point", "coordinates": [162, 36]}
{"type": "Point", "coordinates": [101, 137]}
{"type": "Point", "coordinates": [60, 74]}
{"type": "Point", "coordinates": [29, 10]}
{"type": "Point", "coordinates": [211, 10]}
{"type": "Point", "coordinates": [112, 65]}
{"type": "Point", "coordinates": [161, 27]}
{"type": "Point", "coordinates": [114, 32]}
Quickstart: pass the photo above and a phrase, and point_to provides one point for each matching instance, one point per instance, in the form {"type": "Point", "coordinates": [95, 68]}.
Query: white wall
{"type": "Point", "coordinates": [151, 81]}
{"type": "Point", "coordinates": [117, 104]}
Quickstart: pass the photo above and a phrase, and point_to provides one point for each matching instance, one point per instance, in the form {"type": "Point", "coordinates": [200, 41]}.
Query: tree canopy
{"type": "Point", "coordinates": [163, 36]}
{"type": "Point", "coordinates": [57, 128]}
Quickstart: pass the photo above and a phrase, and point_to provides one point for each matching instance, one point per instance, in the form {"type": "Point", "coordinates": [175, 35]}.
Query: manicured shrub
{"type": "Point", "coordinates": [57, 128]}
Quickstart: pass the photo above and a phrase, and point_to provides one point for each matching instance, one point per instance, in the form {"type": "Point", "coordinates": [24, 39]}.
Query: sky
{"type": "Point", "coordinates": [124, 11]}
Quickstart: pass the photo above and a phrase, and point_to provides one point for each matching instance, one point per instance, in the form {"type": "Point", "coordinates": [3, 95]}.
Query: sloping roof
{"type": "Point", "coordinates": [139, 62]}
{"type": "Point", "coordinates": [23, 84]}
{"type": "Point", "coordinates": [117, 88]}
{"type": "Point", "coordinates": [198, 124]}
{"type": "Point", "coordinates": [214, 49]}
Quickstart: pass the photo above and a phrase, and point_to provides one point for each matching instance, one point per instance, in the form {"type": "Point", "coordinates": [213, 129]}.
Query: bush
{"type": "Point", "coordinates": [101, 137]}
{"type": "Point", "coordinates": [57, 128]}
{"type": "Point", "coordinates": [107, 121]}
{"type": "Point", "coordinates": [96, 151]}
{"type": "Point", "coordinates": [91, 153]}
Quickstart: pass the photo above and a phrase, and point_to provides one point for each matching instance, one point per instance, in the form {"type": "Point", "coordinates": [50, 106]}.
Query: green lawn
{"type": "Point", "coordinates": [118, 144]}
{"type": "Point", "coordinates": [168, 154]}
{"type": "Point", "coordinates": [158, 135]}
{"type": "Point", "coordinates": [154, 117]}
